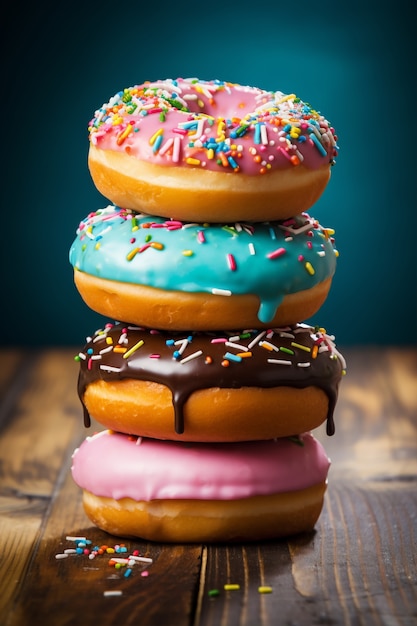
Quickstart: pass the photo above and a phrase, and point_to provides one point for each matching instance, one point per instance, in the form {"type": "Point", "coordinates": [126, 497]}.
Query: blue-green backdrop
{"type": "Point", "coordinates": [354, 61]}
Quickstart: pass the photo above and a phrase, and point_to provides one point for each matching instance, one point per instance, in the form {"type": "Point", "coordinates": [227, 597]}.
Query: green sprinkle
{"type": "Point", "coordinates": [286, 350]}
{"type": "Point", "coordinates": [213, 592]}
{"type": "Point", "coordinates": [229, 229]}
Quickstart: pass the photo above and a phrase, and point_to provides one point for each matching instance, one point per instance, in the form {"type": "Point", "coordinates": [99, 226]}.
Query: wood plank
{"type": "Point", "coordinates": [358, 568]}
{"type": "Point", "coordinates": [71, 590]}
{"type": "Point", "coordinates": [41, 505]}
{"type": "Point", "coordinates": [360, 565]}
{"type": "Point", "coordinates": [42, 423]}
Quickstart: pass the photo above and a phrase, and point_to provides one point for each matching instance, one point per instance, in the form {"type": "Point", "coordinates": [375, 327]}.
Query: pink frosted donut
{"type": "Point", "coordinates": [182, 492]}
{"type": "Point", "coordinates": [213, 151]}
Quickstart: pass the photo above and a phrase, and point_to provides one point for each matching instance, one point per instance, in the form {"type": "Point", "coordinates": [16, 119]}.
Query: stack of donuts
{"type": "Point", "coordinates": [206, 261]}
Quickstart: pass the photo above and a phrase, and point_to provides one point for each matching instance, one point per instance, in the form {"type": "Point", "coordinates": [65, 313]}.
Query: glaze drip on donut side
{"type": "Point", "coordinates": [214, 125]}
{"type": "Point", "coordinates": [269, 260]}
{"type": "Point", "coordinates": [296, 356]}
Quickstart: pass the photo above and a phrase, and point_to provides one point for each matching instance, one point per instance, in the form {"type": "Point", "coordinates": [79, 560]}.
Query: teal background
{"type": "Point", "coordinates": [354, 63]}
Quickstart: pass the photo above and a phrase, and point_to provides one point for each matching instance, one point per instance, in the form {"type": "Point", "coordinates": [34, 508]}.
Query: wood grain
{"type": "Point", "coordinates": [359, 567]}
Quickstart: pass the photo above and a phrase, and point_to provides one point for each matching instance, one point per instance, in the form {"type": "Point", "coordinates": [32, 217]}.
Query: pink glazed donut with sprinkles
{"type": "Point", "coordinates": [216, 151]}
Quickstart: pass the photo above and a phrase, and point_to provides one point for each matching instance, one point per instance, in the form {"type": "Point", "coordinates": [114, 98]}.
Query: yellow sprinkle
{"type": "Point", "coordinates": [231, 587]}
{"type": "Point", "coordinates": [125, 133]}
{"type": "Point", "coordinates": [187, 253]}
{"type": "Point", "coordinates": [97, 246]}
{"type": "Point", "coordinates": [109, 341]}
{"type": "Point", "coordinates": [265, 589]}
{"type": "Point", "coordinates": [310, 268]}
{"type": "Point", "coordinates": [192, 161]}
{"type": "Point", "coordinates": [328, 232]}
{"type": "Point", "coordinates": [119, 349]}
{"type": "Point", "coordinates": [200, 103]}
{"type": "Point", "coordinates": [285, 98]}
{"type": "Point", "coordinates": [336, 253]}
{"type": "Point", "coordinates": [210, 153]}
{"type": "Point", "coordinates": [300, 346]}
{"type": "Point", "coordinates": [157, 245]}
{"type": "Point", "coordinates": [155, 136]}
{"type": "Point", "coordinates": [133, 349]}
{"type": "Point", "coordinates": [314, 352]}
{"type": "Point", "coordinates": [131, 255]}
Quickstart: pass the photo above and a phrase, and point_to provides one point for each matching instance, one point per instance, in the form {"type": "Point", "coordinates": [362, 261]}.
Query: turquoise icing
{"type": "Point", "coordinates": [117, 244]}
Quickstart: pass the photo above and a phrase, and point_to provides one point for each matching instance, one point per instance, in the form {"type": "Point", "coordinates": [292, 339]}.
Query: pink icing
{"type": "Point", "coordinates": [117, 466]}
{"type": "Point", "coordinates": [222, 126]}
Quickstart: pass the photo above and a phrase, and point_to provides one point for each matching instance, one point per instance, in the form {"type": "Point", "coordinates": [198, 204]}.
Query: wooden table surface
{"type": "Point", "coordinates": [358, 567]}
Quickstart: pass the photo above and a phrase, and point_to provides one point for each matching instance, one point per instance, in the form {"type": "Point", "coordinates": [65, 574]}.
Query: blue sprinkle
{"type": "Point", "coordinates": [232, 357]}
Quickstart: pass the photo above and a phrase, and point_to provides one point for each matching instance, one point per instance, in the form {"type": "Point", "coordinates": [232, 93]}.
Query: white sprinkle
{"type": "Point", "coordinates": [324, 348]}
{"type": "Point", "coordinates": [105, 350]}
{"type": "Point", "coordinates": [303, 328]}
{"type": "Point", "coordinates": [184, 343]}
{"type": "Point", "coordinates": [119, 560]}
{"type": "Point", "coordinates": [176, 150]}
{"type": "Point", "coordinates": [251, 249]}
{"type": "Point", "coordinates": [169, 142]}
{"type": "Point", "coordinates": [279, 361]}
{"type": "Point", "coordinates": [69, 538]}
{"type": "Point", "coordinates": [264, 135]}
{"type": "Point", "coordinates": [108, 368]}
{"type": "Point", "coordinates": [298, 153]}
{"type": "Point", "coordinates": [321, 253]}
{"type": "Point", "coordinates": [194, 355]}
{"type": "Point", "coordinates": [221, 292]}
{"type": "Point", "coordinates": [237, 346]}
{"type": "Point", "coordinates": [288, 335]}
{"type": "Point", "coordinates": [138, 441]}
{"type": "Point", "coordinates": [70, 551]}
{"type": "Point", "coordinates": [256, 339]}
{"type": "Point", "coordinates": [61, 556]}
{"type": "Point", "coordinates": [95, 357]}
{"type": "Point", "coordinates": [304, 364]}
{"type": "Point", "coordinates": [142, 559]}
{"type": "Point", "coordinates": [123, 338]}
{"type": "Point", "coordinates": [116, 592]}
{"type": "Point", "coordinates": [82, 356]}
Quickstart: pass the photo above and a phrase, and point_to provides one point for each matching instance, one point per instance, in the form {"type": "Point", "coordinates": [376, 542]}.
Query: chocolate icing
{"type": "Point", "coordinates": [163, 358]}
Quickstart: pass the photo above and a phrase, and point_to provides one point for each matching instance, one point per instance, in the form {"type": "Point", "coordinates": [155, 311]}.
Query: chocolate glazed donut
{"type": "Point", "coordinates": [296, 357]}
